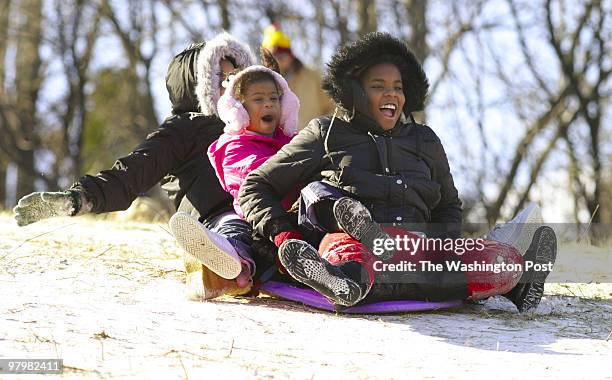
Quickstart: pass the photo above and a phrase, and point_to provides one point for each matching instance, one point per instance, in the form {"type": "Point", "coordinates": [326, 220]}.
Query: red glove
{"type": "Point", "coordinates": [286, 235]}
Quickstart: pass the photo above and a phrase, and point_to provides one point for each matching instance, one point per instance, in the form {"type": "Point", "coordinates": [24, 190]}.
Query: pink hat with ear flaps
{"type": "Point", "coordinates": [235, 116]}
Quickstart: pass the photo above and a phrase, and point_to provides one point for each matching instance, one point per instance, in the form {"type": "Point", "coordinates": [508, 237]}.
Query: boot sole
{"type": "Point", "coordinates": [543, 249]}
{"type": "Point", "coordinates": [218, 256]}
{"type": "Point", "coordinates": [527, 230]}
{"type": "Point", "coordinates": [355, 219]}
{"type": "Point", "coordinates": [519, 232]}
{"type": "Point", "coordinates": [304, 264]}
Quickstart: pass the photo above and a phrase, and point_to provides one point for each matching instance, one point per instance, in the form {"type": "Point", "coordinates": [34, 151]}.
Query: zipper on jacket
{"type": "Point", "coordinates": [389, 154]}
{"type": "Point", "coordinates": [382, 157]}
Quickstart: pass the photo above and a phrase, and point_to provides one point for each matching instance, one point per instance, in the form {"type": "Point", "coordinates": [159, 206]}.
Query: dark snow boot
{"type": "Point", "coordinates": [528, 292]}
{"type": "Point", "coordinates": [304, 264]}
{"type": "Point", "coordinates": [355, 219]}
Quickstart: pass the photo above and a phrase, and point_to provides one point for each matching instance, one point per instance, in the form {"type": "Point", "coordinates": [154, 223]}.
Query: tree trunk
{"type": "Point", "coordinates": [27, 81]}
{"type": "Point", "coordinates": [5, 7]}
{"type": "Point", "coordinates": [2, 184]}
{"type": "Point", "coordinates": [146, 118]}
{"type": "Point", "coordinates": [595, 202]}
{"type": "Point", "coordinates": [25, 179]}
{"type": "Point", "coordinates": [366, 11]}
{"type": "Point", "coordinates": [4, 26]}
{"type": "Point", "coordinates": [341, 23]}
{"type": "Point", "coordinates": [417, 11]}
{"type": "Point", "coordinates": [225, 17]}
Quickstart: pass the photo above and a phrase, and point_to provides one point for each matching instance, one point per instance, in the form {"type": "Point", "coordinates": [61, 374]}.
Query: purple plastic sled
{"type": "Point", "coordinates": [311, 298]}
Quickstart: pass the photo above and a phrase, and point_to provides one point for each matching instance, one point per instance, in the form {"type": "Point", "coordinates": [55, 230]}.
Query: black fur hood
{"type": "Point", "coordinates": [371, 49]}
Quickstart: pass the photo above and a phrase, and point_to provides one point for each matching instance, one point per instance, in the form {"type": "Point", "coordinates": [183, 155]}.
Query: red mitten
{"type": "Point", "coordinates": [286, 235]}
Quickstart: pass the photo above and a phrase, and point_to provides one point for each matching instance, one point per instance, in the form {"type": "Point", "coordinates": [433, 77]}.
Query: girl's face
{"type": "Point", "coordinates": [383, 86]}
{"type": "Point", "coordinates": [262, 103]}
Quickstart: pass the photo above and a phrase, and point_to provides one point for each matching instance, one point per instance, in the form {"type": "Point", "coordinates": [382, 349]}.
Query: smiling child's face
{"type": "Point", "coordinates": [262, 103]}
{"type": "Point", "coordinates": [383, 86]}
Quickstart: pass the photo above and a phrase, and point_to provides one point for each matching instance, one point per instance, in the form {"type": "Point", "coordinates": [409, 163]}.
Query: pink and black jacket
{"type": "Point", "coordinates": [238, 151]}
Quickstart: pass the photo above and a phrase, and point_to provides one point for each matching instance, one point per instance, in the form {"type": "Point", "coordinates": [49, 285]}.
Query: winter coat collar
{"type": "Point", "coordinates": [366, 124]}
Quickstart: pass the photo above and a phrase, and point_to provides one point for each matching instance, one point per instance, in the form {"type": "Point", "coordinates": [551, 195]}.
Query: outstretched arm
{"type": "Point", "coordinates": [116, 188]}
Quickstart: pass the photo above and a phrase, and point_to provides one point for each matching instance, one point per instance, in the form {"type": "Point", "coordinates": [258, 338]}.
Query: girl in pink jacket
{"type": "Point", "coordinates": [260, 113]}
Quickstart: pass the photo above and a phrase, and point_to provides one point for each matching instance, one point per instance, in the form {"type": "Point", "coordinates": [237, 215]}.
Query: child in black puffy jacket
{"type": "Point", "coordinates": [369, 164]}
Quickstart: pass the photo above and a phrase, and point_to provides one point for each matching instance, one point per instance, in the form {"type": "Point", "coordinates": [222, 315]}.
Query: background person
{"type": "Point", "coordinates": [303, 80]}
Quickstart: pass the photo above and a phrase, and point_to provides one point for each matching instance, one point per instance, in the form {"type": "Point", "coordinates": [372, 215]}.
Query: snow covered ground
{"type": "Point", "coordinates": [108, 298]}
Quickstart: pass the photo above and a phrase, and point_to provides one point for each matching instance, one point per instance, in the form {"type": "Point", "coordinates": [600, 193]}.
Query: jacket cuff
{"type": "Point", "coordinates": [277, 226]}
{"type": "Point", "coordinates": [75, 195]}
{"type": "Point", "coordinates": [80, 189]}
{"type": "Point", "coordinates": [286, 235]}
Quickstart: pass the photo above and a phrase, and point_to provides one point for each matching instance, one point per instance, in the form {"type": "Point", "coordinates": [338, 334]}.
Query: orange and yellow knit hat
{"type": "Point", "coordinates": [275, 40]}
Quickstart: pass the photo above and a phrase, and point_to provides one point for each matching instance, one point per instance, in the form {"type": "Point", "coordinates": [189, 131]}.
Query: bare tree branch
{"type": "Point", "coordinates": [535, 171]}
{"type": "Point", "coordinates": [587, 94]}
{"type": "Point", "coordinates": [556, 106]}
{"type": "Point", "coordinates": [132, 41]}
{"type": "Point", "coordinates": [525, 49]}
{"type": "Point", "coordinates": [195, 35]}
{"type": "Point", "coordinates": [448, 48]}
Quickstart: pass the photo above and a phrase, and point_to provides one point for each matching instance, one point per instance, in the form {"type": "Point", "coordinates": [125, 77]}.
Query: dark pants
{"type": "Point", "coordinates": [316, 207]}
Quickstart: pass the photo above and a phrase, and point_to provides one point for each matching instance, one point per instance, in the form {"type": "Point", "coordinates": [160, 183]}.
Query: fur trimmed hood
{"type": "Point", "coordinates": [208, 68]}
{"type": "Point", "coordinates": [235, 116]}
{"type": "Point", "coordinates": [192, 73]}
{"type": "Point", "coordinates": [373, 48]}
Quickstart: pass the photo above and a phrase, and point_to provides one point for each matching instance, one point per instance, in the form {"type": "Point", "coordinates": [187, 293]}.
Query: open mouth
{"type": "Point", "coordinates": [268, 118]}
{"type": "Point", "coordinates": [388, 110]}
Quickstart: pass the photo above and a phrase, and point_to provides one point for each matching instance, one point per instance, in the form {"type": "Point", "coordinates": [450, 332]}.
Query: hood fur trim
{"type": "Point", "coordinates": [223, 45]}
{"type": "Point", "coordinates": [363, 53]}
{"type": "Point", "coordinates": [235, 116]}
